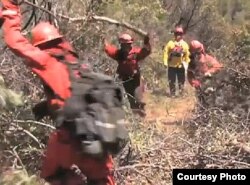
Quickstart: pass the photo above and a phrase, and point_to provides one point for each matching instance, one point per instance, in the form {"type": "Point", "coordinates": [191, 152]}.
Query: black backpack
{"type": "Point", "coordinates": [94, 113]}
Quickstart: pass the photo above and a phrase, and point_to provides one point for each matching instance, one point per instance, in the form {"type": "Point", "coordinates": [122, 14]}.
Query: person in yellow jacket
{"type": "Point", "coordinates": [176, 59]}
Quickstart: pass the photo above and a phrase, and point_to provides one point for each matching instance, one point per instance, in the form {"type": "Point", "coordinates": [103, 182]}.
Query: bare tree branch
{"type": "Point", "coordinates": [192, 14]}
{"type": "Point", "coordinates": [30, 18]}
{"type": "Point", "coordinates": [41, 8]}
{"type": "Point", "coordinates": [91, 18]}
{"type": "Point", "coordinates": [124, 24]}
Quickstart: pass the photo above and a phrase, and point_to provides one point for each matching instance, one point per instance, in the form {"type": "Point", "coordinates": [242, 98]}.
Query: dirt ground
{"type": "Point", "coordinates": [168, 112]}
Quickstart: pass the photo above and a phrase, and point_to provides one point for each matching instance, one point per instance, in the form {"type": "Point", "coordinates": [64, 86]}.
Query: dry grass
{"type": "Point", "coordinates": [173, 135]}
{"type": "Point", "coordinates": [19, 177]}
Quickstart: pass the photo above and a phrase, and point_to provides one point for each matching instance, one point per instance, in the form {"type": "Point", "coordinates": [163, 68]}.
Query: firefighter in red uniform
{"type": "Point", "coordinates": [202, 64]}
{"type": "Point", "coordinates": [128, 59]}
{"type": "Point", "coordinates": [62, 152]}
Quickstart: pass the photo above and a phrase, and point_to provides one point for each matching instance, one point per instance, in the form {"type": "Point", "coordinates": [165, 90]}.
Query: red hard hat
{"type": "Point", "coordinates": [179, 30]}
{"type": "Point", "coordinates": [126, 38]}
{"type": "Point", "coordinates": [44, 32]}
{"type": "Point", "coordinates": [195, 45]}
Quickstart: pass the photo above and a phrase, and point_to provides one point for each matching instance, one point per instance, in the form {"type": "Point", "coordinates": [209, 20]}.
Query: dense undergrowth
{"type": "Point", "coordinates": [215, 137]}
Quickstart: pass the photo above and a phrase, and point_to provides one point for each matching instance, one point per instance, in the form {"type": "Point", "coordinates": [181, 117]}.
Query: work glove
{"type": "Point", "coordinates": [103, 39]}
{"type": "Point", "coordinates": [207, 74]}
{"type": "Point", "coordinates": [40, 110]}
{"type": "Point", "coordinates": [146, 39]}
{"type": "Point", "coordinates": [6, 12]}
{"type": "Point", "coordinates": [165, 65]}
{"type": "Point", "coordinates": [196, 84]}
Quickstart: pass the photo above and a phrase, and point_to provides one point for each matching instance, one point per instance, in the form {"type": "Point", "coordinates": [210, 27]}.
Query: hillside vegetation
{"type": "Point", "coordinates": [176, 133]}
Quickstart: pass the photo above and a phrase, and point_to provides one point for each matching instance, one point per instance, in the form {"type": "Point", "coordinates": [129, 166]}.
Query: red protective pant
{"type": "Point", "coordinates": [63, 153]}
{"type": "Point", "coordinates": [135, 89]}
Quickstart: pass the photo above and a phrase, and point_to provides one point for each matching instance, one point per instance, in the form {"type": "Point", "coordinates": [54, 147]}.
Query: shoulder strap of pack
{"type": "Point", "coordinates": [177, 43]}
{"type": "Point", "coordinates": [84, 79]}
{"type": "Point", "coordinates": [72, 66]}
{"type": "Point", "coordinates": [122, 57]}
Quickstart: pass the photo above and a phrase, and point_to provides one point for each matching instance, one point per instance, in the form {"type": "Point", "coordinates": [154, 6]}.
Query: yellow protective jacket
{"type": "Point", "coordinates": [173, 57]}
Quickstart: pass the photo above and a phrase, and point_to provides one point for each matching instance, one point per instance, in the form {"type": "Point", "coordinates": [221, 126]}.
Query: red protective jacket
{"type": "Point", "coordinates": [53, 73]}
{"type": "Point", "coordinates": [128, 65]}
{"type": "Point", "coordinates": [205, 64]}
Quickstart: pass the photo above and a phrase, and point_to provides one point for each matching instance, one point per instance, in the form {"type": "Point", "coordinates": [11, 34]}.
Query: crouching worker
{"type": "Point", "coordinates": [128, 58]}
{"type": "Point", "coordinates": [80, 101]}
{"type": "Point", "coordinates": [202, 65]}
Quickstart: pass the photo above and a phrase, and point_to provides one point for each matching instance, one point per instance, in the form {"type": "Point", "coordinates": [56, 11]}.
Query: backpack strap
{"type": "Point", "coordinates": [71, 66]}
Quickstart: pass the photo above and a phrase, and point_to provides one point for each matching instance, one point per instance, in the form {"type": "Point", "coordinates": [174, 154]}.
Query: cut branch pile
{"type": "Point", "coordinates": [217, 137]}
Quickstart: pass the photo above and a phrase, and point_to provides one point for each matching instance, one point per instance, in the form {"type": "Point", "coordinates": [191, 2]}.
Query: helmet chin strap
{"type": "Point", "coordinates": [125, 50]}
{"type": "Point", "coordinates": [178, 38]}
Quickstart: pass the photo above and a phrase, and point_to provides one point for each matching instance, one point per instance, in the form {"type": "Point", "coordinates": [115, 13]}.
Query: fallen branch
{"type": "Point", "coordinates": [35, 122]}
{"type": "Point", "coordinates": [29, 134]}
{"type": "Point", "coordinates": [91, 18]}
{"type": "Point", "coordinates": [241, 146]}
{"type": "Point", "coordinates": [241, 163]}
{"type": "Point", "coordinates": [19, 159]}
{"type": "Point", "coordinates": [141, 166]}
{"type": "Point", "coordinates": [145, 176]}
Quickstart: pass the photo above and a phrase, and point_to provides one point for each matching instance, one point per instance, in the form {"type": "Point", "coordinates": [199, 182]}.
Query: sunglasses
{"type": "Point", "coordinates": [126, 44]}
{"type": "Point", "coordinates": [178, 33]}
{"type": "Point", "coordinates": [196, 52]}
